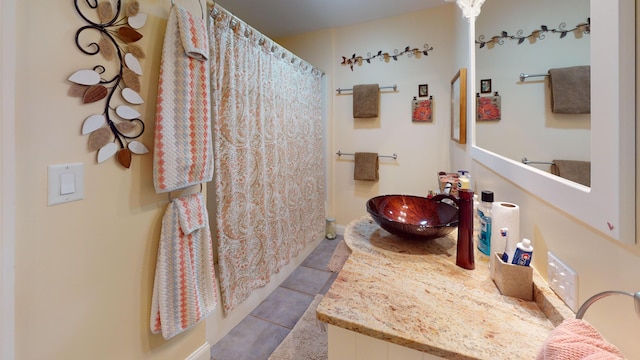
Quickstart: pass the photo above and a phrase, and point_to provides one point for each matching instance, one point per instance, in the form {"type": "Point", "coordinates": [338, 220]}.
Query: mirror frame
{"type": "Point", "coordinates": [609, 205]}
{"type": "Point", "coordinates": [459, 103]}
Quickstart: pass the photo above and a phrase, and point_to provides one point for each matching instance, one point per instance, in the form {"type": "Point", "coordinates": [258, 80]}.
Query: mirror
{"type": "Point", "coordinates": [525, 127]}
{"type": "Point", "coordinates": [609, 204]}
{"type": "Point", "coordinates": [459, 107]}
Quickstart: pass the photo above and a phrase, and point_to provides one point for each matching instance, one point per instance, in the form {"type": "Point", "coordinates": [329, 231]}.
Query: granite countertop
{"type": "Point", "coordinates": [411, 293]}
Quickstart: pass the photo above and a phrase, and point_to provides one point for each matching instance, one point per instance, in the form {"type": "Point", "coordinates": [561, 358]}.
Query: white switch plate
{"type": "Point", "coordinates": [65, 183]}
{"type": "Point", "coordinates": [563, 280]}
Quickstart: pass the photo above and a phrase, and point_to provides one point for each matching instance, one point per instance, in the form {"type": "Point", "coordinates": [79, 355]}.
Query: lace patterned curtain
{"type": "Point", "coordinates": [269, 177]}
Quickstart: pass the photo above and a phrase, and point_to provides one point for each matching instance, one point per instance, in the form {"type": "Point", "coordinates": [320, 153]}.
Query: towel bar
{"type": "Point", "coordinates": [394, 156]}
{"type": "Point", "coordinates": [524, 76]}
{"type": "Point", "coordinates": [394, 87]}
{"type": "Point", "coordinates": [527, 162]}
{"type": "Point", "coordinates": [598, 296]}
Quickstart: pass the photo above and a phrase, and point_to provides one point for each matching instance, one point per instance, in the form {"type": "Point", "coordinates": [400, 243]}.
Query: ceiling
{"type": "Point", "coordinates": [283, 18]}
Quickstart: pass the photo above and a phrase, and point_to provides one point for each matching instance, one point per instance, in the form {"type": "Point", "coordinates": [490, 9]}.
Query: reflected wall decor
{"type": "Point", "coordinates": [459, 107]}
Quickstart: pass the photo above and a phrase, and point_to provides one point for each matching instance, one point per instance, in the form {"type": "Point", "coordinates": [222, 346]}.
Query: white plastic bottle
{"type": "Point", "coordinates": [484, 217]}
{"type": "Point", "coordinates": [523, 254]}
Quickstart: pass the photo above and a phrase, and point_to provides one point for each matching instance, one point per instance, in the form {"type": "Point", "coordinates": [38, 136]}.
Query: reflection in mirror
{"type": "Point", "coordinates": [608, 205]}
{"type": "Point", "coordinates": [527, 128]}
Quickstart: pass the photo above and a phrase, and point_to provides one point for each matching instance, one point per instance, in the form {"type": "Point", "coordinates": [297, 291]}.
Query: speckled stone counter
{"type": "Point", "coordinates": [411, 293]}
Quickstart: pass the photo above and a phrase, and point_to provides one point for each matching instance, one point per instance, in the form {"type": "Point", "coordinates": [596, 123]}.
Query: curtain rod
{"type": "Point", "coordinates": [235, 23]}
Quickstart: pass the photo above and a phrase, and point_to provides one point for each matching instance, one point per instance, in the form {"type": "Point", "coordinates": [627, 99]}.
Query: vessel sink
{"type": "Point", "coordinates": [414, 217]}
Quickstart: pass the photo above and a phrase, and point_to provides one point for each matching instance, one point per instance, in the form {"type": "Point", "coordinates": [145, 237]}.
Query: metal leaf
{"type": "Point", "coordinates": [128, 34]}
{"type": "Point", "coordinates": [107, 49]}
{"type": "Point", "coordinates": [563, 34]}
{"type": "Point", "coordinates": [99, 138]}
{"type": "Point", "coordinates": [137, 147]}
{"type": "Point", "coordinates": [94, 93]}
{"type": "Point", "coordinates": [93, 123]}
{"type": "Point", "coordinates": [132, 8]}
{"type": "Point", "coordinates": [105, 11]}
{"type": "Point", "coordinates": [131, 79]}
{"type": "Point", "coordinates": [107, 151]}
{"type": "Point", "coordinates": [133, 63]}
{"type": "Point", "coordinates": [137, 21]}
{"type": "Point", "coordinates": [85, 77]}
{"type": "Point", "coordinates": [132, 96]}
{"type": "Point", "coordinates": [136, 51]}
{"type": "Point", "coordinates": [77, 90]}
{"type": "Point", "coordinates": [127, 112]}
{"type": "Point", "coordinates": [124, 157]}
{"type": "Point", "coordinates": [125, 126]}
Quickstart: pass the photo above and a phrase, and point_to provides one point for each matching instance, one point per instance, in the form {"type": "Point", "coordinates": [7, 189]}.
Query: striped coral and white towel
{"type": "Point", "coordinates": [184, 290]}
{"type": "Point", "coordinates": [183, 151]}
{"type": "Point", "coordinates": [576, 339]}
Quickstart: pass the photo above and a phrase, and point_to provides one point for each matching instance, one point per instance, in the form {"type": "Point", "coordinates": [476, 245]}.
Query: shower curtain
{"type": "Point", "coordinates": [269, 178]}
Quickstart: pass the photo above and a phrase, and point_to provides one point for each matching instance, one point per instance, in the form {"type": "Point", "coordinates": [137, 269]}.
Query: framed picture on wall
{"type": "Point", "coordinates": [422, 110]}
{"type": "Point", "coordinates": [423, 90]}
{"type": "Point", "coordinates": [459, 107]}
{"type": "Point", "coordinates": [488, 108]}
{"type": "Point", "coordinates": [485, 86]}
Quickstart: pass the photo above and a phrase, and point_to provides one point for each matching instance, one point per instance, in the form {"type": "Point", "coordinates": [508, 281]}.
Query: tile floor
{"type": "Point", "coordinates": [260, 333]}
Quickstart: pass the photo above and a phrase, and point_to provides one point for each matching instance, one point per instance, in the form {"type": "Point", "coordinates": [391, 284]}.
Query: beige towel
{"type": "Point", "coordinates": [574, 170]}
{"type": "Point", "coordinates": [365, 100]}
{"type": "Point", "coordinates": [570, 90]}
{"type": "Point", "coordinates": [366, 167]}
{"type": "Point", "coordinates": [577, 340]}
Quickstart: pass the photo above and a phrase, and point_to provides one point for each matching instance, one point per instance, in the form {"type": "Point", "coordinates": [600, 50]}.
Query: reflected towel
{"type": "Point", "coordinates": [570, 90]}
{"type": "Point", "coordinates": [366, 166]}
{"type": "Point", "coordinates": [574, 170]}
{"type": "Point", "coordinates": [184, 290]}
{"type": "Point", "coordinates": [576, 339]}
{"type": "Point", "coordinates": [183, 150]}
{"type": "Point", "coordinates": [366, 100]}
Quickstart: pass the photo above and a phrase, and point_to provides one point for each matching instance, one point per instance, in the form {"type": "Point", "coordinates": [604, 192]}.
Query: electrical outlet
{"type": "Point", "coordinates": [563, 280]}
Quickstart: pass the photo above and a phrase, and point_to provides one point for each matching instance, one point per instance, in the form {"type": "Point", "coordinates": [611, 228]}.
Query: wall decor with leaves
{"type": "Point", "coordinates": [385, 56]}
{"type": "Point", "coordinates": [115, 130]}
{"type": "Point", "coordinates": [520, 37]}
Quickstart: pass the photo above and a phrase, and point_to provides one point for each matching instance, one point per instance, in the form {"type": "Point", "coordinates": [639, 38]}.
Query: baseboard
{"type": "Point", "coordinates": [202, 353]}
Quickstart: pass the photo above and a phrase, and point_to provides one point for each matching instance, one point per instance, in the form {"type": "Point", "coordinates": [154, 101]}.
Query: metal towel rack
{"type": "Point", "coordinates": [528, 162]}
{"type": "Point", "coordinates": [394, 156]}
{"type": "Point", "coordinates": [524, 76]}
{"type": "Point", "coordinates": [394, 87]}
{"type": "Point", "coordinates": [598, 296]}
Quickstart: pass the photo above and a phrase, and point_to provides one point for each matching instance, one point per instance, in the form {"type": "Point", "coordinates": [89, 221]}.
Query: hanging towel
{"type": "Point", "coordinates": [183, 151]}
{"type": "Point", "coordinates": [577, 340]}
{"type": "Point", "coordinates": [570, 90]}
{"type": "Point", "coordinates": [184, 290]}
{"type": "Point", "coordinates": [366, 166]}
{"type": "Point", "coordinates": [574, 170]}
{"type": "Point", "coordinates": [365, 100]}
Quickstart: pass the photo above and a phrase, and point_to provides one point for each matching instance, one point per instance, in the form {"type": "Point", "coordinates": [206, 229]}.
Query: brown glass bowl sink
{"type": "Point", "coordinates": [414, 216]}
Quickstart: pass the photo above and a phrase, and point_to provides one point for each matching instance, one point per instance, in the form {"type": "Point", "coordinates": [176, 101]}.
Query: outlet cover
{"type": "Point", "coordinates": [563, 280]}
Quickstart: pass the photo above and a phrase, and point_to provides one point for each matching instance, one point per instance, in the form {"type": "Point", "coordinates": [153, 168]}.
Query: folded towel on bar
{"type": "Point", "coordinates": [184, 290]}
{"type": "Point", "coordinates": [183, 150]}
{"type": "Point", "coordinates": [366, 166]}
{"type": "Point", "coordinates": [574, 170]}
{"type": "Point", "coordinates": [577, 340]}
{"type": "Point", "coordinates": [570, 90]}
{"type": "Point", "coordinates": [366, 100]}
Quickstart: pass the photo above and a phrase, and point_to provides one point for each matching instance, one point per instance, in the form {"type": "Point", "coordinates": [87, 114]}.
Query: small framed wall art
{"type": "Point", "coordinates": [485, 86]}
{"type": "Point", "coordinates": [423, 90]}
{"type": "Point", "coordinates": [488, 107]}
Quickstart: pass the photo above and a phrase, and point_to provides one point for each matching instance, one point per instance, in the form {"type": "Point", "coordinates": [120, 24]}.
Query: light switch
{"type": "Point", "coordinates": [66, 183]}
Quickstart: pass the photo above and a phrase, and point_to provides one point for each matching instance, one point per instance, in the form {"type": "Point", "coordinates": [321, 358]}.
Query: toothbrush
{"type": "Point", "coordinates": [504, 232]}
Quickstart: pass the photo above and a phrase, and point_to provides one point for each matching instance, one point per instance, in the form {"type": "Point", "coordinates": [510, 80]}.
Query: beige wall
{"type": "Point", "coordinates": [422, 148]}
{"type": "Point", "coordinates": [84, 270]}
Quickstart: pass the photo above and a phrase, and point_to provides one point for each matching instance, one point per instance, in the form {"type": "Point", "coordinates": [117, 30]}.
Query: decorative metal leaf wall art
{"type": "Point", "coordinates": [114, 132]}
{"type": "Point", "coordinates": [520, 37]}
{"type": "Point", "coordinates": [385, 56]}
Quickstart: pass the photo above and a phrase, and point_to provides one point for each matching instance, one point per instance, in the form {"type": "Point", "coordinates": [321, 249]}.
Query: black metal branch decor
{"type": "Point", "coordinates": [115, 130]}
{"type": "Point", "coordinates": [582, 28]}
{"type": "Point", "coordinates": [385, 56]}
